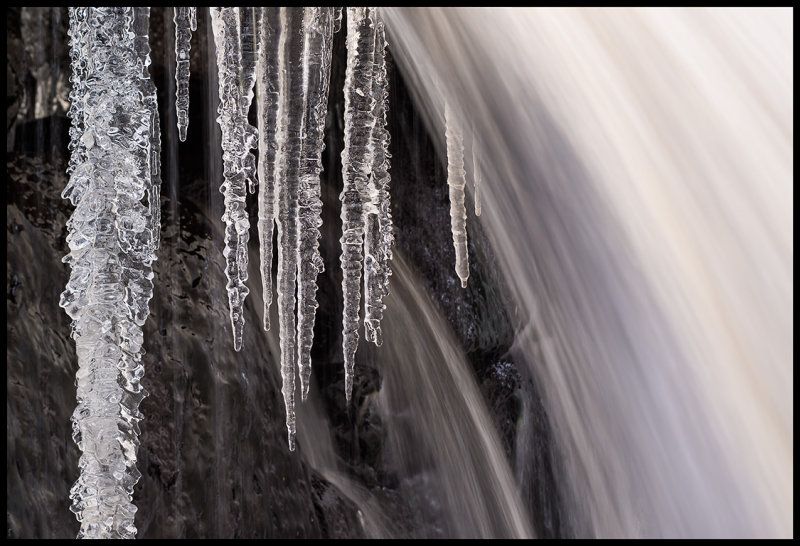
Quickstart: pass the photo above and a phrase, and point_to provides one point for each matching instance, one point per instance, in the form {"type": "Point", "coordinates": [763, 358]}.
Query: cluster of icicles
{"type": "Point", "coordinates": [282, 56]}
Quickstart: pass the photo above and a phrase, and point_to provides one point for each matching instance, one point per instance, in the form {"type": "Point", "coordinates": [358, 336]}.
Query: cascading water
{"type": "Point", "coordinates": [644, 230]}
{"type": "Point", "coordinates": [607, 274]}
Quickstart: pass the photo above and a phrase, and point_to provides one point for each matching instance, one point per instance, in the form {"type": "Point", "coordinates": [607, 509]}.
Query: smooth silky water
{"type": "Point", "coordinates": [638, 188]}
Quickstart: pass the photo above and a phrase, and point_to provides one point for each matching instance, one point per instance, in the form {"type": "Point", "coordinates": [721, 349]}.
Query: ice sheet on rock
{"type": "Point", "coordinates": [359, 120]}
{"type": "Point", "coordinates": [268, 86]}
{"type": "Point", "coordinates": [456, 180]}
{"type": "Point", "coordinates": [238, 137]}
{"type": "Point", "coordinates": [113, 236]}
{"type": "Point", "coordinates": [184, 25]}
{"type": "Point", "coordinates": [318, 23]}
{"type": "Point", "coordinates": [291, 111]}
{"type": "Point", "coordinates": [378, 237]}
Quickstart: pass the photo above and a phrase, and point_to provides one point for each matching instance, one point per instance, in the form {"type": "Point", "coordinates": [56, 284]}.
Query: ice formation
{"type": "Point", "coordinates": [238, 138]}
{"type": "Point", "coordinates": [456, 180]}
{"type": "Point", "coordinates": [185, 23]}
{"type": "Point", "coordinates": [291, 109]}
{"type": "Point", "coordinates": [113, 235]}
{"type": "Point", "coordinates": [359, 121]}
{"type": "Point", "coordinates": [285, 54]}
{"type": "Point", "coordinates": [378, 237]}
{"type": "Point", "coordinates": [317, 49]}
{"type": "Point", "coordinates": [268, 88]}
{"type": "Point", "coordinates": [249, 30]}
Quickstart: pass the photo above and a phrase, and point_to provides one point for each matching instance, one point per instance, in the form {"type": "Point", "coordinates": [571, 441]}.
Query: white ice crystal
{"type": "Point", "coordinates": [113, 235]}
{"type": "Point", "coordinates": [456, 180]}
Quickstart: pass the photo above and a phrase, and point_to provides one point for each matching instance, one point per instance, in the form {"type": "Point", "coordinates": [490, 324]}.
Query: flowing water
{"type": "Point", "coordinates": [638, 184]}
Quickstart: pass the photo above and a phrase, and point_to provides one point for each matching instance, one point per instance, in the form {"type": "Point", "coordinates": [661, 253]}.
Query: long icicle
{"type": "Point", "coordinates": [184, 25]}
{"type": "Point", "coordinates": [359, 119]}
{"type": "Point", "coordinates": [268, 103]}
{"type": "Point", "coordinates": [316, 78]}
{"type": "Point", "coordinates": [238, 137]}
{"type": "Point", "coordinates": [113, 237]}
{"type": "Point", "coordinates": [379, 238]}
{"type": "Point", "coordinates": [290, 122]}
{"type": "Point", "coordinates": [456, 180]}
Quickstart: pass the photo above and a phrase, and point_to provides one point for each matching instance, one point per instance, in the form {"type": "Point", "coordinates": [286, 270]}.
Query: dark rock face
{"type": "Point", "coordinates": [213, 454]}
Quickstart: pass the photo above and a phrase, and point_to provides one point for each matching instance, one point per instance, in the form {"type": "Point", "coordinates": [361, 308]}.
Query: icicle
{"type": "Point", "coordinates": [112, 237]}
{"type": "Point", "coordinates": [359, 120]}
{"type": "Point", "coordinates": [184, 25]}
{"type": "Point", "coordinates": [290, 122]}
{"type": "Point", "coordinates": [238, 137]}
{"type": "Point", "coordinates": [79, 56]}
{"type": "Point", "coordinates": [316, 77]}
{"type": "Point", "coordinates": [456, 179]}
{"type": "Point", "coordinates": [477, 174]}
{"type": "Point", "coordinates": [379, 238]}
{"type": "Point", "coordinates": [268, 102]}
{"type": "Point", "coordinates": [337, 20]}
{"type": "Point", "coordinates": [250, 25]}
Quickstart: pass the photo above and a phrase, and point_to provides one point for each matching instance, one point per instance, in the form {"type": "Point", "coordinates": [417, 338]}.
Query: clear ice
{"type": "Point", "coordinates": [268, 87]}
{"type": "Point", "coordinates": [318, 23]}
{"type": "Point", "coordinates": [378, 237]}
{"type": "Point", "coordinates": [456, 180]}
{"type": "Point", "coordinates": [113, 236]}
{"type": "Point", "coordinates": [249, 25]}
{"type": "Point", "coordinates": [238, 138]}
{"type": "Point", "coordinates": [185, 22]}
{"type": "Point", "coordinates": [291, 111]}
{"type": "Point", "coordinates": [359, 121]}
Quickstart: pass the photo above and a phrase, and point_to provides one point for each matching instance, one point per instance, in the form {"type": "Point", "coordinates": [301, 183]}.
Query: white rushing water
{"type": "Point", "coordinates": [113, 235]}
{"type": "Point", "coordinates": [638, 168]}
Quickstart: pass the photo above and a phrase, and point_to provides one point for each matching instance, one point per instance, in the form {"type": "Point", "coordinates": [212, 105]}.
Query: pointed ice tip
{"type": "Point", "coordinates": [304, 392]}
{"type": "Point", "coordinates": [463, 283]}
{"type": "Point", "coordinates": [182, 133]}
{"type": "Point", "coordinates": [377, 338]}
{"type": "Point", "coordinates": [291, 442]}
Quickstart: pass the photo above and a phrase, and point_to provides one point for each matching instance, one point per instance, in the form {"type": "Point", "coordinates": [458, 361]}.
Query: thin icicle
{"type": "Point", "coordinates": [290, 122]}
{"type": "Point", "coordinates": [456, 180]}
{"type": "Point", "coordinates": [379, 238]}
{"type": "Point", "coordinates": [183, 44]}
{"type": "Point", "coordinates": [238, 137]}
{"type": "Point", "coordinates": [250, 28]}
{"type": "Point", "coordinates": [113, 236]}
{"type": "Point", "coordinates": [359, 120]}
{"type": "Point", "coordinates": [268, 103]}
{"type": "Point", "coordinates": [477, 173]}
{"type": "Point", "coordinates": [316, 77]}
